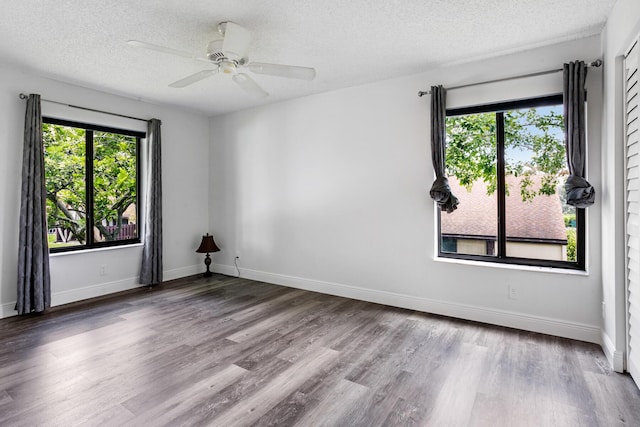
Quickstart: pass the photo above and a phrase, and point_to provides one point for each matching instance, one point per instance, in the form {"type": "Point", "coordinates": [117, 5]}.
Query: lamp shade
{"type": "Point", "coordinates": [207, 245]}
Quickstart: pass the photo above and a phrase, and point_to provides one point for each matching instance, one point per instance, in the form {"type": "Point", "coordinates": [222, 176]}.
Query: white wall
{"type": "Point", "coordinates": [622, 26]}
{"type": "Point", "coordinates": [185, 140]}
{"type": "Point", "coordinates": [330, 193]}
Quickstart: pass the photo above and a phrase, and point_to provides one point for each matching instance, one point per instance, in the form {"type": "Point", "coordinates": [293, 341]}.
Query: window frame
{"type": "Point", "coordinates": [500, 257]}
{"type": "Point", "coordinates": [89, 188]}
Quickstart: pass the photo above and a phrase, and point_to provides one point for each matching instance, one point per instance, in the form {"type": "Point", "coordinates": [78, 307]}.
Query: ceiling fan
{"type": "Point", "coordinates": [227, 54]}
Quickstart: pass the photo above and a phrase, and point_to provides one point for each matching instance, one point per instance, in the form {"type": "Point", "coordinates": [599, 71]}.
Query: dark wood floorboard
{"type": "Point", "coordinates": [225, 351]}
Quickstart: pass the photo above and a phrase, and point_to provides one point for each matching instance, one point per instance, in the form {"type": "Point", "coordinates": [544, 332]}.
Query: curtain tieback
{"type": "Point", "coordinates": [441, 193]}
{"type": "Point", "coordinates": [579, 192]}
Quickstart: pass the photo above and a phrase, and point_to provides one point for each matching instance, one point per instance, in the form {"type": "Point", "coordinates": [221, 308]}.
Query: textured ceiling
{"type": "Point", "coordinates": [348, 42]}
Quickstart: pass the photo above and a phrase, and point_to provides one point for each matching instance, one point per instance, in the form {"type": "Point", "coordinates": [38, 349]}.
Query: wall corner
{"type": "Point", "coordinates": [615, 357]}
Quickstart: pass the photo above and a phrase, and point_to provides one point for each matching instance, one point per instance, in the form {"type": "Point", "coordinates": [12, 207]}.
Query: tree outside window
{"type": "Point", "coordinates": [91, 178]}
{"type": "Point", "coordinates": [507, 165]}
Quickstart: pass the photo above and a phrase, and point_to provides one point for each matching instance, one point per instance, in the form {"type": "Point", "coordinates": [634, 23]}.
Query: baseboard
{"type": "Point", "coordinates": [102, 289]}
{"type": "Point", "coordinates": [79, 294]}
{"type": "Point", "coordinates": [93, 291]}
{"type": "Point", "coordinates": [178, 273]}
{"type": "Point", "coordinates": [8, 310]}
{"type": "Point", "coordinates": [561, 328]}
{"type": "Point", "coordinates": [228, 270]}
{"type": "Point", "coordinates": [634, 371]}
{"type": "Point", "coordinates": [615, 357]}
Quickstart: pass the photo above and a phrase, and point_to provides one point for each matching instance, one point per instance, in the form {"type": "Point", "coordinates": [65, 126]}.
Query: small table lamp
{"type": "Point", "coordinates": [207, 245]}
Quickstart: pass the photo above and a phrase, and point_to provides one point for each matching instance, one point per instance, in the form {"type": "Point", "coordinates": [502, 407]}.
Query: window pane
{"type": "Point", "coordinates": [535, 171]}
{"type": "Point", "coordinates": [65, 175]}
{"type": "Point", "coordinates": [471, 167]}
{"type": "Point", "coordinates": [114, 184]}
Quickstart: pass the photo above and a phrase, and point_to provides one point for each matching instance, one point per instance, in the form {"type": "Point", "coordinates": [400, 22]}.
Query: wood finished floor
{"type": "Point", "coordinates": [224, 351]}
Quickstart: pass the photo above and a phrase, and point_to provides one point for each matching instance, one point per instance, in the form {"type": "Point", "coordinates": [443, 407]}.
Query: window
{"type": "Point", "coordinates": [91, 175]}
{"type": "Point", "coordinates": [507, 165]}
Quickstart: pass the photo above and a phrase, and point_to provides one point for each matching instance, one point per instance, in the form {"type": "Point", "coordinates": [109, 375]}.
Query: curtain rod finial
{"type": "Point", "coordinates": [23, 96]}
{"type": "Point", "coordinates": [422, 93]}
{"type": "Point", "coordinates": [596, 63]}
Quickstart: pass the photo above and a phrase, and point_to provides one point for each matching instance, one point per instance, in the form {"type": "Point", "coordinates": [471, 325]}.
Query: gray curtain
{"type": "Point", "coordinates": [440, 190]}
{"type": "Point", "coordinates": [151, 271]}
{"type": "Point", "coordinates": [579, 192]}
{"type": "Point", "coordinates": [34, 281]}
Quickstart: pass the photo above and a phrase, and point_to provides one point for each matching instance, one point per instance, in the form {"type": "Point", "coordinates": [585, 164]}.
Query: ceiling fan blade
{"type": "Point", "coordinates": [163, 49]}
{"type": "Point", "coordinates": [249, 86]}
{"type": "Point", "coordinates": [290, 71]}
{"type": "Point", "coordinates": [236, 40]}
{"type": "Point", "coordinates": [200, 75]}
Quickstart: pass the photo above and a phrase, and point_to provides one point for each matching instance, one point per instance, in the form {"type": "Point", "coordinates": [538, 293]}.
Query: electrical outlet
{"type": "Point", "coordinates": [103, 270]}
{"type": "Point", "coordinates": [513, 292]}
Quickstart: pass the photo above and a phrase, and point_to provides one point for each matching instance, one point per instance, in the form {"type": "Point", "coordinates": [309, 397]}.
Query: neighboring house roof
{"type": "Point", "coordinates": [540, 218]}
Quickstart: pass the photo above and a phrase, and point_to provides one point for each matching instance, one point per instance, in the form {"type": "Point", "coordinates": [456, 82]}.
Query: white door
{"type": "Point", "coordinates": [632, 140]}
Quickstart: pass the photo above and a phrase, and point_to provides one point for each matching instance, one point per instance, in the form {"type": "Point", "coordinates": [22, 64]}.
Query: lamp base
{"type": "Point", "coordinates": [207, 262]}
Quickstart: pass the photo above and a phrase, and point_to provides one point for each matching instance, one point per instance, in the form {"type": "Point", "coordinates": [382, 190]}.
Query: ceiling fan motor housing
{"type": "Point", "coordinates": [214, 51]}
{"type": "Point", "coordinates": [227, 61]}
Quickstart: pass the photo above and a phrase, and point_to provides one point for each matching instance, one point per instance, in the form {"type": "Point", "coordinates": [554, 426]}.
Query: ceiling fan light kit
{"type": "Point", "coordinates": [228, 55]}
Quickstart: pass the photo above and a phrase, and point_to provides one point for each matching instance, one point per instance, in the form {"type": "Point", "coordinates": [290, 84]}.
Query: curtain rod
{"type": "Point", "coordinates": [596, 63]}
{"type": "Point", "coordinates": [23, 96]}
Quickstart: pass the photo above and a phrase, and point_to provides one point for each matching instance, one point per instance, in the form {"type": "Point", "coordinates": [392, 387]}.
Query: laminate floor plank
{"type": "Point", "coordinates": [274, 322]}
{"type": "Point", "coordinates": [430, 368]}
{"type": "Point", "coordinates": [22, 345]}
{"type": "Point", "coordinates": [563, 373]}
{"type": "Point", "coordinates": [52, 390]}
{"type": "Point", "coordinates": [36, 402]}
{"type": "Point", "coordinates": [390, 354]}
{"type": "Point", "coordinates": [374, 408]}
{"type": "Point", "coordinates": [227, 351]}
{"type": "Point", "coordinates": [203, 362]}
{"type": "Point", "coordinates": [187, 369]}
{"type": "Point", "coordinates": [264, 306]}
{"type": "Point", "coordinates": [4, 398]}
{"type": "Point", "coordinates": [299, 335]}
{"type": "Point", "coordinates": [358, 351]}
{"type": "Point", "coordinates": [333, 407]}
{"type": "Point", "coordinates": [345, 323]}
{"type": "Point", "coordinates": [114, 415]}
{"type": "Point", "coordinates": [616, 401]}
{"type": "Point", "coordinates": [404, 414]}
{"type": "Point", "coordinates": [469, 363]}
{"type": "Point", "coordinates": [249, 409]}
{"type": "Point", "coordinates": [29, 367]}
{"type": "Point", "coordinates": [288, 411]}
{"type": "Point", "coordinates": [180, 401]}
{"type": "Point", "coordinates": [207, 409]}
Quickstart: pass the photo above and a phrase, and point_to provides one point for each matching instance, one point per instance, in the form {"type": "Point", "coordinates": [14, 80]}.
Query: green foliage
{"type": "Point", "coordinates": [472, 152]}
{"type": "Point", "coordinates": [114, 168]}
{"type": "Point", "coordinates": [570, 219]}
{"type": "Point", "coordinates": [65, 178]}
{"type": "Point", "coordinates": [114, 182]}
{"type": "Point", "coordinates": [571, 245]}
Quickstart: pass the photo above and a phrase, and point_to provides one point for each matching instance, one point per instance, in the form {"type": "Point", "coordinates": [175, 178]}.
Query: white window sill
{"type": "Point", "coordinates": [91, 250]}
{"type": "Point", "coordinates": [519, 267]}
